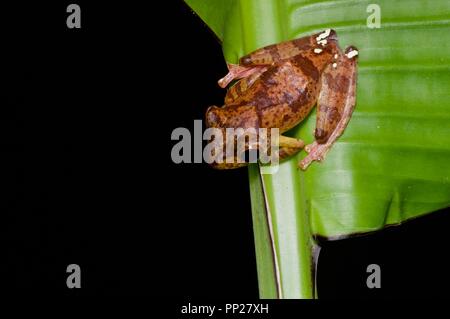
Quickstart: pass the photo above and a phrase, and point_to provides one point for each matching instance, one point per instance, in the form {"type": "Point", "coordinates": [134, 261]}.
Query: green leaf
{"type": "Point", "coordinates": [213, 12]}
{"type": "Point", "coordinates": [393, 161]}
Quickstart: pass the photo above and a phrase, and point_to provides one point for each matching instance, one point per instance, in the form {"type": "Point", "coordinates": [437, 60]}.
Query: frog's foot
{"type": "Point", "coordinates": [310, 146]}
{"type": "Point", "coordinates": [316, 152]}
{"type": "Point", "coordinates": [237, 71]}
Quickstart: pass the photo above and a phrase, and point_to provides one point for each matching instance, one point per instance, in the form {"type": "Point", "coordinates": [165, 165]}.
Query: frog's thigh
{"type": "Point", "coordinates": [240, 87]}
{"type": "Point", "coordinates": [337, 97]}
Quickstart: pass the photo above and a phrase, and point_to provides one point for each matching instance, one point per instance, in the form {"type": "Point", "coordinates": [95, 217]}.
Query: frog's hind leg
{"type": "Point", "coordinates": [264, 57]}
{"type": "Point", "coordinates": [238, 72]}
{"type": "Point", "coordinates": [272, 54]}
{"type": "Point", "coordinates": [240, 87]}
{"type": "Point", "coordinates": [335, 105]}
{"type": "Point", "coordinates": [275, 53]}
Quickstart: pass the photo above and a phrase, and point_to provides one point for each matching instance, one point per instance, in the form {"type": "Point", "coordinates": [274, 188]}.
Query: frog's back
{"type": "Point", "coordinates": [289, 88]}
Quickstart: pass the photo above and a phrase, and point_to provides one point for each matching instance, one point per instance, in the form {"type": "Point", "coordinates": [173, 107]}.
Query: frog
{"type": "Point", "coordinates": [277, 86]}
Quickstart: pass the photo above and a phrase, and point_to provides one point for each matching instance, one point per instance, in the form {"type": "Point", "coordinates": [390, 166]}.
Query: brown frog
{"type": "Point", "coordinates": [279, 86]}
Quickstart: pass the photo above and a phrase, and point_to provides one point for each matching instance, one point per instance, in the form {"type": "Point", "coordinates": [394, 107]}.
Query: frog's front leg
{"type": "Point", "coordinates": [289, 146]}
{"type": "Point", "coordinates": [290, 142]}
{"type": "Point", "coordinates": [335, 105]}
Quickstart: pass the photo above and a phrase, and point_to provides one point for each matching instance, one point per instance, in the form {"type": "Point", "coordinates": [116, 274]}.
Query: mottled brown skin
{"type": "Point", "coordinates": [279, 86]}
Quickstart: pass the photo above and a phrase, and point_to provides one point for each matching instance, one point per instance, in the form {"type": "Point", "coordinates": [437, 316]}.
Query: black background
{"type": "Point", "coordinates": [86, 119]}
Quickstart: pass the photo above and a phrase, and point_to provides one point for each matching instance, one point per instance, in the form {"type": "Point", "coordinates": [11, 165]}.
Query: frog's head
{"type": "Point", "coordinates": [222, 119]}
{"type": "Point", "coordinates": [215, 117]}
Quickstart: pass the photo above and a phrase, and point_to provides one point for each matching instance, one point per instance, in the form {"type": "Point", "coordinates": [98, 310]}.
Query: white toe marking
{"type": "Point", "coordinates": [352, 54]}
{"type": "Point", "coordinates": [323, 35]}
